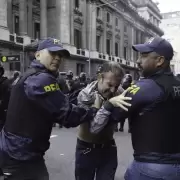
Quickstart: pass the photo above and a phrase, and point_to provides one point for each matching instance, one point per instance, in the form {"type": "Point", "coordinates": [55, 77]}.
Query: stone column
{"type": "Point", "coordinates": [23, 17]}
{"type": "Point", "coordinates": [3, 21]}
{"type": "Point", "coordinates": [52, 19]}
{"type": "Point", "coordinates": [43, 17]}
{"type": "Point", "coordinates": [63, 20]}
{"type": "Point", "coordinates": [30, 20]}
{"type": "Point", "coordinates": [132, 42]}
{"type": "Point", "coordinates": [122, 38]}
{"type": "Point", "coordinates": [135, 42]}
{"type": "Point", "coordinates": [129, 42]}
{"type": "Point", "coordinates": [72, 23]}
{"type": "Point", "coordinates": [93, 26]}
{"type": "Point", "coordinates": [139, 37]}
{"type": "Point", "coordinates": [105, 32]}
{"type": "Point", "coordinates": [84, 32]}
{"type": "Point", "coordinates": [9, 16]}
{"type": "Point", "coordinates": [113, 34]}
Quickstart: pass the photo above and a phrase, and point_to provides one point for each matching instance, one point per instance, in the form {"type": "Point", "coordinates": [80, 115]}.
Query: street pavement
{"type": "Point", "coordinates": [60, 157]}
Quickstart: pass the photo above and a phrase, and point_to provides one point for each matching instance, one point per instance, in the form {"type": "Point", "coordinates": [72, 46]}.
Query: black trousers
{"type": "Point", "coordinates": [95, 161]}
{"type": "Point", "coordinates": [23, 170]}
{"type": "Point", "coordinates": [123, 122]}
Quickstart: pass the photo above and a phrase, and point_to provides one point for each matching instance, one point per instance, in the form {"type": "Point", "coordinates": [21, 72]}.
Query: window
{"type": "Point", "coordinates": [78, 39]}
{"type": "Point", "coordinates": [125, 53]}
{"type": "Point", "coordinates": [137, 37]}
{"type": "Point", "coordinates": [116, 22]}
{"type": "Point", "coordinates": [16, 24]}
{"type": "Point", "coordinates": [125, 28]}
{"type": "Point", "coordinates": [108, 18]}
{"type": "Point", "coordinates": [108, 46]}
{"type": "Point", "coordinates": [98, 43]}
{"type": "Point", "coordinates": [36, 30]}
{"type": "Point", "coordinates": [15, 66]}
{"type": "Point", "coordinates": [117, 49]}
{"type": "Point", "coordinates": [11, 66]}
{"type": "Point", "coordinates": [80, 68]}
{"type": "Point", "coordinates": [76, 3]}
{"type": "Point", "coordinates": [98, 12]}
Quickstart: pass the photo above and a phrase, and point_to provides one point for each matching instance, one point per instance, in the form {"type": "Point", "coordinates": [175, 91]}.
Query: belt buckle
{"type": "Point", "coordinates": [88, 150]}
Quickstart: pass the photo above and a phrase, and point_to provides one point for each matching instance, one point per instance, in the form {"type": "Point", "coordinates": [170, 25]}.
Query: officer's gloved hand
{"type": "Point", "coordinates": [120, 101]}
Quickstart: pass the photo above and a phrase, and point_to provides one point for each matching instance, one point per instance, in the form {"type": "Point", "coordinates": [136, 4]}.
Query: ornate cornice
{"type": "Point", "coordinates": [99, 21]}
{"type": "Point", "coordinates": [78, 20]}
{"type": "Point", "coordinates": [77, 12]}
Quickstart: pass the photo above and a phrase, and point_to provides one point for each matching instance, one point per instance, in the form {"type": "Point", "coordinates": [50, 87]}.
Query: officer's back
{"type": "Point", "coordinates": [155, 125]}
{"type": "Point", "coordinates": [155, 114]}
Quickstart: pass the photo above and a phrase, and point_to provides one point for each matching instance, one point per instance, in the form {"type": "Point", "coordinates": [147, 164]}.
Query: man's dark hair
{"type": "Point", "coordinates": [113, 67]}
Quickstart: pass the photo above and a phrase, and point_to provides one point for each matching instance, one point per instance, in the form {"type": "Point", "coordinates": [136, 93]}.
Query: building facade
{"type": "Point", "coordinates": [89, 29]}
{"type": "Point", "coordinates": [171, 26]}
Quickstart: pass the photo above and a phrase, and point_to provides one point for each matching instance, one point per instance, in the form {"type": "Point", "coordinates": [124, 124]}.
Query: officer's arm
{"type": "Point", "coordinates": [44, 91]}
{"type": "Point", "coordinates": [143, 93]}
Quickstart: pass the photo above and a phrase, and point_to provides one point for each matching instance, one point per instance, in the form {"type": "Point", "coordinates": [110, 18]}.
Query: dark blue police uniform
{"type": "Point", "coordinates": [154, 121]}
{"type": "Point", "coordinates": [36, 103]}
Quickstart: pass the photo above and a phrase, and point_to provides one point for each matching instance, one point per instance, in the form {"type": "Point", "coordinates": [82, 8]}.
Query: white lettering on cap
{"type": "Point", "coordinates": [150, 40]}
{"type": "Point", "coordinates": [57, 41]}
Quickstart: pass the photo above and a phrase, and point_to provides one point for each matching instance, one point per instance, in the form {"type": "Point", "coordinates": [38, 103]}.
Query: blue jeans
{"type": "Point", "coordinates": [95, 162]}
{"type": "Point", "coordinates": [151, 171]}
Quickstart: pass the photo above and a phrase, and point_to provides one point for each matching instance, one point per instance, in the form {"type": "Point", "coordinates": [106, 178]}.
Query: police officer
{"type": "Point", "coordinates": [69, 81]}
{"type": "Point", "coordinates": [126, 83]}
{"type": "Point", "coordinates": [154, 114]}
{"type": "Point", "coordinates": [5, 88]}
{"type": "Point", "coordinates": [36, 103]}
{"type": "Point", "coordinates": [81, 82]}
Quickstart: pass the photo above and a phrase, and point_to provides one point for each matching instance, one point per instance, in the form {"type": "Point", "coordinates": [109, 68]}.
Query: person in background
{"type": "Point", "coordinates": [15, 77]}
{"type": "Point", "coordinates": [4, 96]}
{"type": "Point", "coordinates": [126, 83]}
{"type": "Point", "coordinates": [70, 81]}
{"type": "Point", "coordinates": [97, 74]}
{"type": "Point", "coordinates": [83, 79]}
{"type": "Point", "coordinates": [62, 84]}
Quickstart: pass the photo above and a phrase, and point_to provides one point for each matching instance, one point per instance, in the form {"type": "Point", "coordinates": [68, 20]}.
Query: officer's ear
{"type": "Point", "coordinates": [37, 55]}
{"type": "Point", "coordinates": [160, 61]}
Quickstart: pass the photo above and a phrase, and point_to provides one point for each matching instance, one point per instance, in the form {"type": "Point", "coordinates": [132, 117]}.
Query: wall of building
{"type": "Point", "coordinates": [171, 26]}
{"type": "Point", "coordinates": [66, 18]}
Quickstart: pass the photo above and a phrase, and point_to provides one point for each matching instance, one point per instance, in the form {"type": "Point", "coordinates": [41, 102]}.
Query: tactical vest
{"type": "Point", "coordinates": [158, 130]}
{"type": "Point", "coordinates": [27, 119]}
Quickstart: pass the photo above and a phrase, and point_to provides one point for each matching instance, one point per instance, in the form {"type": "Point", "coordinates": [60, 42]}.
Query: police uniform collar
{"type": "Point", "coordinates": [161, 72]}
{"type": "Point", "coordinates": [36, 64]}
